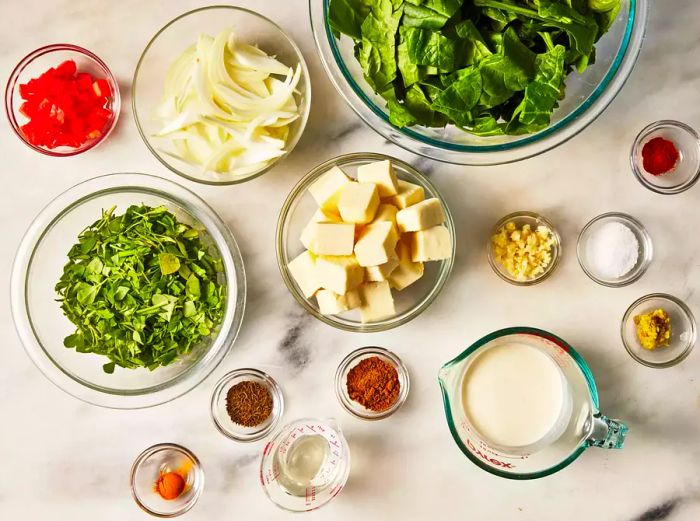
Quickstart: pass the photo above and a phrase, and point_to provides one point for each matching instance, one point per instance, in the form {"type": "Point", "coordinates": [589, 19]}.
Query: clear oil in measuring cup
{"type": "Point", "coordinates": [305, 465]}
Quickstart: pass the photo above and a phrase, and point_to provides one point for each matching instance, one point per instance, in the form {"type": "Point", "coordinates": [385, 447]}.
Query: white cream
{"type": "Point", "coordinates": [513, 395]}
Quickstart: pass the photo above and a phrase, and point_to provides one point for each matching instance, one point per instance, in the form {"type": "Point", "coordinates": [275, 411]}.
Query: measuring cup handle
{"type": "Point", "coordinates": [607, 433]}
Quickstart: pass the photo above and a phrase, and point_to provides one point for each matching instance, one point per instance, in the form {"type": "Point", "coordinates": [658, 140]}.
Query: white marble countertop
{"type": "Point", "coordinates": [61, 459]}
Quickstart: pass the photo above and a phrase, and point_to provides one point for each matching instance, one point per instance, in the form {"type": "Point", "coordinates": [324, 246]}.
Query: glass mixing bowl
{"type": "Point", "coordinates": [169, 43]}
{"type": "Point", "coordinates": [295, 215]}
{"type": "Point", "coordinates": [42, 326]}
{"type": "Point", "coordinates": [587, 95]}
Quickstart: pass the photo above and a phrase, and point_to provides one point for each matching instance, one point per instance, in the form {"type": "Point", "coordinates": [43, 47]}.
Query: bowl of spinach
{"type": "Point", "coordinates": [478, 81]}
{"type": "Point", "coordinates": [128, 290]}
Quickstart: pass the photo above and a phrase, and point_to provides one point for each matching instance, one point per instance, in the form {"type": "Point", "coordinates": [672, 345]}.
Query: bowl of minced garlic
{"type": "Point", "coordinates": [524, 248]}
{"type": "Point", "coordinates": [658, 330]}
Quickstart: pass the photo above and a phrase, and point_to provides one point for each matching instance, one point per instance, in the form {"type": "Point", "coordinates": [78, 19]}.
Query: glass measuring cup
{"type": "Point", "coordinates": [305, 465]}
{"type": "Point", "coordinates": [579, 426]}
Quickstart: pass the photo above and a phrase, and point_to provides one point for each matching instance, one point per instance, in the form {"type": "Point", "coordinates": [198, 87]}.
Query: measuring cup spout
{"type": "Point", "coordinates": [607, 433]}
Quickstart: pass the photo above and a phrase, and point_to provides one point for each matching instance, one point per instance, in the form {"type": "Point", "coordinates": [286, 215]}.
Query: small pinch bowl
{"type": "Point", "coordinates": [176, 36]}
{"type": "Point", "coordinates": [223, 422]}
{"type": "Point", "coordinates": [686, 172]}
{"type": "Point", "coordinates": [354, 358]}
{"type": "Point", "coordinates": [683, 331]}
{"type": "Point", "coordinates": [158, 459]}
{"type": "Point", "coordinates": [646, 249]}
{"type": "Point", "coordinates": [39, 61]}
{"type": "Point", "coordinates": [300, 206]}
{"type": "Point", "coordinates": [521, 219]}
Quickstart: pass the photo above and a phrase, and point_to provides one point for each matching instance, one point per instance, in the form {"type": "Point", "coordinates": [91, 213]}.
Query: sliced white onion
{"type": "Point", "coordinates": [227, 106]}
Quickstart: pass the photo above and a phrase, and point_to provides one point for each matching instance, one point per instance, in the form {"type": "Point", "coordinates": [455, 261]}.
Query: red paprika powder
{"type": "Point", "coordinates": [374, 384]}
{"type": "Point", "coordinates": [659, 156]}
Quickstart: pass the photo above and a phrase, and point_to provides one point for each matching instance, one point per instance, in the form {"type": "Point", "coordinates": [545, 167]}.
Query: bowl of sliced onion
{"type": "Point", "coordinates": [220, 94]}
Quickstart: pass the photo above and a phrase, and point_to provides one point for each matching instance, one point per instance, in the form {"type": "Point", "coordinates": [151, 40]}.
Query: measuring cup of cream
{"type": "Point", "coordinates": [522, 404]}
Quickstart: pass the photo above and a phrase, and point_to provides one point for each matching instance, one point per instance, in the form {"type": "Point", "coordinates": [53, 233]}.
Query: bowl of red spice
{"type": "Point", "coordinates": [62, 100]}
{"type": "Point", "coordinates": [665, 157]}
{"type": "Point", "coordinates": [371, 383]}
{"type": "Point", "coordinates": [246, 405]}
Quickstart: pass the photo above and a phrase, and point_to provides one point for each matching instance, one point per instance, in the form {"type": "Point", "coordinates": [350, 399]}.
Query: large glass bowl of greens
{"type": "Point", "coordinates": [127, 291]}
{"type": "Point", "coordinates": [478, 82]}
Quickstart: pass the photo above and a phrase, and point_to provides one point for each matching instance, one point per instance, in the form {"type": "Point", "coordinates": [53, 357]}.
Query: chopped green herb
{"type": "Point", "coordinates": [141, 289]}
{"type": "Point", "coordinates": [491, 67]}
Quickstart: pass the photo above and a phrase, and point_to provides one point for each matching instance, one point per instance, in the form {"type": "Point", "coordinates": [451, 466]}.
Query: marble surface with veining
{"type": "Point", "coordinates": [63, 460]}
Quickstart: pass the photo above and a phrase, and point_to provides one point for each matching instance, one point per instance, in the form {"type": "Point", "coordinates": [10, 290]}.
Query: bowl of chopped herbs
{"type": "Point", "coordinates": [128, 290]}
{"type": "Point", "coordinates": [478, 82]}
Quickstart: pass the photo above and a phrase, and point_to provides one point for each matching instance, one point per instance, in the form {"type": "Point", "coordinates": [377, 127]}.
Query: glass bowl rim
{"type": "Point", "coordinates": [354, 357]}
{"type": "Point", "coordinates": [446, 265]}
{"type": "Point", "coordinates": [275, 391]}
{"type": "Point", "coordinates": [636, 150]}
{"type": "Point", "coordinates": [53, 212]}
{"type": "Point", "coordinates": [647, 247]}
{"type": "Point", "coordinates": [686, 312]}
{"type": "Point", "coordinates": [624, 60]}
{"type": "Point", "coordinates": [558, 247]}
{"type": "Point", "coordinates": [48, 49]}
{"type": "Point", "coordinates": [154, 449]}
{"type": "Point", "coordinates": [290, 145]}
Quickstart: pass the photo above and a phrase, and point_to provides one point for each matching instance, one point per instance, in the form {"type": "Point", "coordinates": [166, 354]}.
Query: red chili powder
{"type": "Point", "coordinates": [659, 156]}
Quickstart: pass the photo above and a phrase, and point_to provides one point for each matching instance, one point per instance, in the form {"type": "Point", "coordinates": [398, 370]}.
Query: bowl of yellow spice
{"type": "Point", "coordinates": [658, 330]}
{"type": "Point", "coordinates": [524, 248]}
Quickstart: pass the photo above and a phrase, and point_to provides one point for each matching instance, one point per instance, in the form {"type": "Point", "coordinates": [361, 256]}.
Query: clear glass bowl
{"type": "Point", "coordinates": [646, 249]}
{"type": "Point", "coordinates": [683, 331]}
{"type": "Point", "coordinates": [587, 95]}
{"type": "Point", "coordinates": [223, 422]}
{"type": "Point", "coordinates": [296, 213]}
{"type": "Point", "coordinates": [38, 62]}
{"type": "Point", "coordinates": [521, 219]}
{"type": "Point", "coordinates": [169, 43]}
{"type": "Point", "coordinates": [686, 172]}
{"type": "Point", "coordinates": [42, 326]}
{"type": "Point", "coordinates": [158, 460]}
{"type": "Point", "coordinates": [354, 358]}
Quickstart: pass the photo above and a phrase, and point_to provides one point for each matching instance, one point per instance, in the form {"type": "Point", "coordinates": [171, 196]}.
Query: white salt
{"type": "Point", "coordinates": [613, 250]}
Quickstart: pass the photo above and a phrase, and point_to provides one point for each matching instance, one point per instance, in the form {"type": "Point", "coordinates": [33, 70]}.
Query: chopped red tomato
{"type": "Point", "coordinates": [65, 107]}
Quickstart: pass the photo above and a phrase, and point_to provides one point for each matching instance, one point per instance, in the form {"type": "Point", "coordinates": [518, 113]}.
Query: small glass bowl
{"type": "Point", "coordinates": [300, 206]}
{"type": "Point", "coordinates": [646, 249]}
{"type": "Point", "coordinates": [521, 219]}
{"type": "Point", "coordinates": [174, 38]}
{"type": "Point", "coordinates": [157, 460]}
{"type": "Point", "coordinates": [223, 422]}
{"type": "Point", "coordinates": [38, 62]}
{"type": "Point", "coordinates": [686, 172]}
{"type": "Point", "coordinates": [350, 361]}
{"type": "Point", "coordinates": [683, 331]}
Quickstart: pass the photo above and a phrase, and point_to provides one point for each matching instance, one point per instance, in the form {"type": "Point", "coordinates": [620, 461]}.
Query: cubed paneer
{"type": "Point", "coordinates": [330, 303]}
{"type": "Point", "coordinates": [358, 202]}
{"type": "Point", "coordinates": [339, 274]}
{"type": "Point", "coordinates": [420, 216]}
{"type": "Point", "coordinates": [329, 238]}
{"type": "Point", "coordinates": [386, 212]}
{"type": "Point", "coordinates": [353, 299]}
{"type": "Point", "coordinates": [326, 189]}
{"type": "Point", "coordinates": [431, 244]}
{"type": "Point", "coordinates": [303, 269]}
{"type": "Point", "coordinates": [409, 194]}
{"type": "Point", "coordinates": [326, 216]}
{"type": "Point", "coordinates": [382, 272]}
{"type": "Point", "coordinates": [377, 302]}
{"type": "Point", "coordinates": [382, 174]}
{"type": "Point", "coordinates": [407, 272]}
{"type": "Point", "coordinates": [377, 244]}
